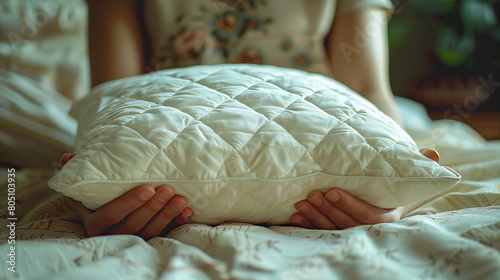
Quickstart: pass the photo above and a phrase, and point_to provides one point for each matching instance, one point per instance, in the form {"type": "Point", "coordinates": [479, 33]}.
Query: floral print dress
{"type": "Point", "coordinates": [287, 33]}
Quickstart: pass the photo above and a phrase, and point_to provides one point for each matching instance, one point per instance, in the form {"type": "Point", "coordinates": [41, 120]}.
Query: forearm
{"type": "Point", "coordinates": [116, 47]}
{"type": "Point", "coordinates": [384, 100]}
{"type": "Point", "coordinates": [358, 55]}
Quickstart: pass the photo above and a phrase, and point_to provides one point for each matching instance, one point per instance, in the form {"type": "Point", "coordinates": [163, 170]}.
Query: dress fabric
{"type": "Point", "coordinates": [287, 33]}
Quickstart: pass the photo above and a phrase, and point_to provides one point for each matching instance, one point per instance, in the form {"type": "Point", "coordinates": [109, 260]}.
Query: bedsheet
{"type": "Point", "coordinates": [455, 235]}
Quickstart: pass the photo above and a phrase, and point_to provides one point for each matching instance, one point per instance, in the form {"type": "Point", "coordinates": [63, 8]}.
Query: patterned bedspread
{"type": "Point", "coordinates": [455, 235]}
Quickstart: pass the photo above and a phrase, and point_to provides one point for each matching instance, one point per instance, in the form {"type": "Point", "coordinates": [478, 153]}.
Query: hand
{"type": "Point", "coordinates": [338, 209]}
{"type": "Point", "coordinates": [143, 211]}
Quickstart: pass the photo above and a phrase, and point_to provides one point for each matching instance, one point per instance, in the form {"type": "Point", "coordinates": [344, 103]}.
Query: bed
{"type": "Point", "coordinates": [454, 235]}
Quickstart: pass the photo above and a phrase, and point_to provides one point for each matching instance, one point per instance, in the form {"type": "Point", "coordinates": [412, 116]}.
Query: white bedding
{"type": "Point", "coordinates": [456, 235]}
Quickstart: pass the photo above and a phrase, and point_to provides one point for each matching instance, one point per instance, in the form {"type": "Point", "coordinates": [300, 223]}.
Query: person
{"type": "Point", "coordinates": [130, 37]}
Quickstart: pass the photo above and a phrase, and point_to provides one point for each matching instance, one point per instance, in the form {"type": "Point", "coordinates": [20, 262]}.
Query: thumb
{"type": "Point", "coordinates": [430, 153]}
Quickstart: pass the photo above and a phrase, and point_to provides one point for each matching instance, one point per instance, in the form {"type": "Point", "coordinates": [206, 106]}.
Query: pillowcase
{"type": "Point", "coordinates": [242, 143]}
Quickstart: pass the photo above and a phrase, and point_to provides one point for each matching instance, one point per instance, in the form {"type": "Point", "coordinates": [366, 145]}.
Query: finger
{"type": "Point", "coordinates": [361, 211]}
{"type": "Point", "coordinates": [136, 220]}
{"type": "Point", "coordinates": [184, 216]}
{"type": "Point", "coordinates": [82, 211]}
{"type": "Point", "coordinates": [116, 210]}
{"type": "Point", "coordinates": [430, 153]}
{"type": "Point", "coordinates": [65, 158]}
{"type": "Point", "coordinates": [338, 217]}
{"type": "Point", "coordinates": [314, 216]}
{"type": "Point", "coordinates": [299, 220]}
{"type": "Point", "coordinates": [155, 226]}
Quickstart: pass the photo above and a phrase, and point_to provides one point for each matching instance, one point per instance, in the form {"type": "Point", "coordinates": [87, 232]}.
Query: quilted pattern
{"type": "Point", "coordinates": [242, 143]}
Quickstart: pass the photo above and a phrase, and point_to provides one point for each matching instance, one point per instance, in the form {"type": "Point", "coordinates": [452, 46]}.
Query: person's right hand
{"type": "Point", "coordinates": [143, 211]}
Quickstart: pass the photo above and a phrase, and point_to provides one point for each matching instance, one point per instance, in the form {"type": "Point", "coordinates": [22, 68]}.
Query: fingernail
{"type": "Point", "coordinates": [176, 207]}
{"type": "Point", "coordinates": [296, 221]}
{"type": "Point", "coordinates": [64, 160]}
{"type": "Point", "coordinates": [304, 209]}
{"type": "Point", "coordinates": [188, 212]}
{"type": "Point", "coordinates": [179, 204]}
{"type": "Point", "coordinates": [164, 195]}
{"type": "Point", "coordinates": [170, 190]}
{"type": "Point", "coordinates": [146, 193]}
{"type": "Point", "coordinates": [315, 200]}
{"type": "Point", "coordinates": [332, 196]}
{"type": "Point", "coordinates": [61, 159]}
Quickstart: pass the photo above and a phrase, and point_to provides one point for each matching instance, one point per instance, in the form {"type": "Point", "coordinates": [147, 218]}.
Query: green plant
{"type": "Point", "coordinates": [467, 39]}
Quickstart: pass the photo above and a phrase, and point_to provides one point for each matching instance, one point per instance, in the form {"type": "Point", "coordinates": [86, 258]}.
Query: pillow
{"type": "Point", "coordinates": [242, 143]}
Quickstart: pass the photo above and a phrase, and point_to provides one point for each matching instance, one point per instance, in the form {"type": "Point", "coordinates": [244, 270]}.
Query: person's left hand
{"type": "Point", "coordinates": [338, 209]}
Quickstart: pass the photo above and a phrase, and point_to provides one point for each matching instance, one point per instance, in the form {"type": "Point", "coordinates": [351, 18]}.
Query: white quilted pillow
{"type": "Point", "coordinates": [242, 143]}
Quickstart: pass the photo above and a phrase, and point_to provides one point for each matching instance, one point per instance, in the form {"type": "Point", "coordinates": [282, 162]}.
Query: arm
{"type": "Point", "coordinates": [362, 66]}
{"type": "Point", "coordinates": [116, 42]}
{"type": "Point", "coordinates": [358, 54]}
